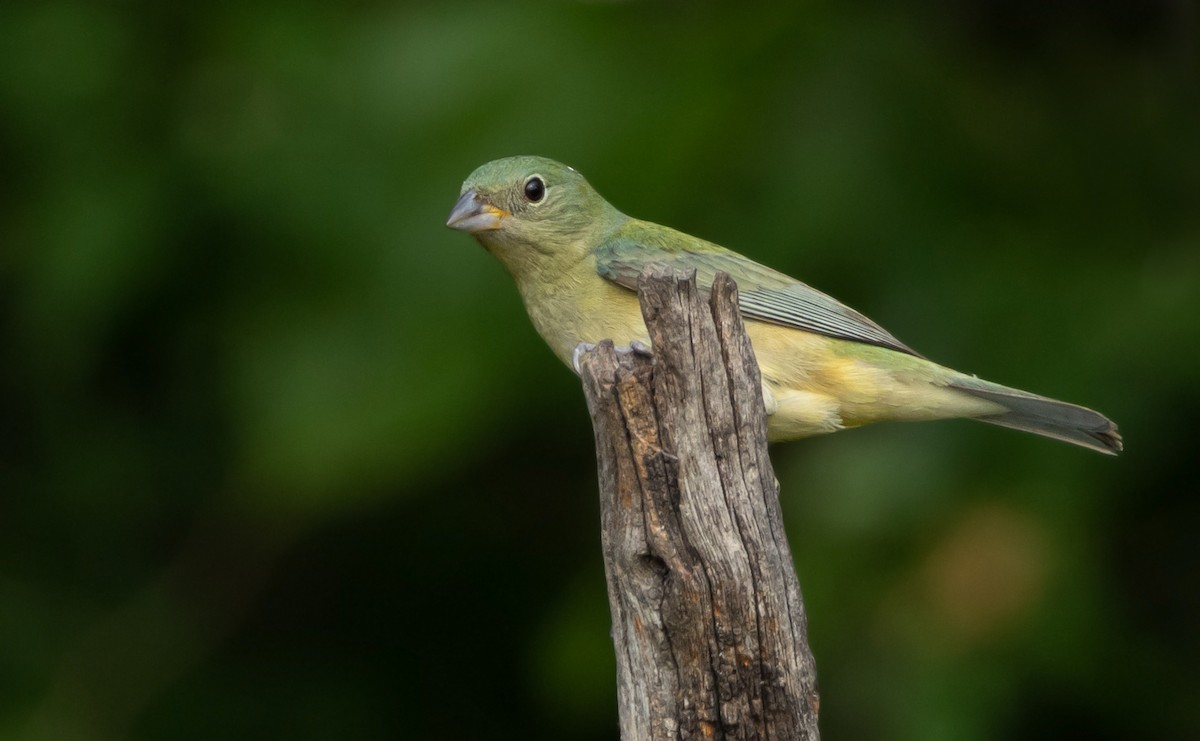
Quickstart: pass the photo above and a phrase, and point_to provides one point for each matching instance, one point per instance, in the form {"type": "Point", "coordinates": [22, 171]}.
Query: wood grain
{"type": "Point", "coordinates": [708, 622]}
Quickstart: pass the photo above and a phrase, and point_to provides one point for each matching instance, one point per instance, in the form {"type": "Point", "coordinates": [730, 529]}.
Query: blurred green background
{"type": "Point", "coordinates": [283, 458]}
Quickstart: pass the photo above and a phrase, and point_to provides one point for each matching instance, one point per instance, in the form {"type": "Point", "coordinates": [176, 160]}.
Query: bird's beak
{"type": "Point", "coordinates": [471, 214]}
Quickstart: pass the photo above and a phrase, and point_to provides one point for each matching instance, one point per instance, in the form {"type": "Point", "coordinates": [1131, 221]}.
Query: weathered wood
{"type": "Point", "coordinates": [708, 623]}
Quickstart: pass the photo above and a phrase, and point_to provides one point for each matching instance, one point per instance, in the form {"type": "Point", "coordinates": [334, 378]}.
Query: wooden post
{"type": "Point", "coordinates": [708, 623]}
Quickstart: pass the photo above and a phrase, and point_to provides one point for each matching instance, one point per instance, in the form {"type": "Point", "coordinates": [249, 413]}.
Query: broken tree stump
{"type": "Point", "coordinates": [708, 623]}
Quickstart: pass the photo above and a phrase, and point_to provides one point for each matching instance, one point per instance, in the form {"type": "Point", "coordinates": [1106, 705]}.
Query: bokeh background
{"type": "Point", "coordinates": [283, 458]}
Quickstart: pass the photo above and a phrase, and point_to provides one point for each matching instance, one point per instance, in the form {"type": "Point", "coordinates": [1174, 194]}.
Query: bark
{"type": "Point", "coordinates": [708, 623]}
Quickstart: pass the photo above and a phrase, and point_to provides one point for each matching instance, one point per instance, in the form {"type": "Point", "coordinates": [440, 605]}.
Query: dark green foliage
{"type": "Point", "coordinates": [281, 457]}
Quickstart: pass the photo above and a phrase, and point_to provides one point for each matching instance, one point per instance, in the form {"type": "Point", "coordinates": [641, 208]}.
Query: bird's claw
{"type": "Point", "coordinates": [576, 356]}
{"type": "Point", "coordinates": [637, 347]}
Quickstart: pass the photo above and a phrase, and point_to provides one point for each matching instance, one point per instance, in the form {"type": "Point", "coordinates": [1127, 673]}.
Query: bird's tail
{"type": "Point", "coordinates": [1044, 416]}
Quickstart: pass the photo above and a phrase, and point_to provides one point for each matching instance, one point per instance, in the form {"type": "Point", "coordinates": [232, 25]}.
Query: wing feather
{"type": "Point", "coordinates": [764, 294]}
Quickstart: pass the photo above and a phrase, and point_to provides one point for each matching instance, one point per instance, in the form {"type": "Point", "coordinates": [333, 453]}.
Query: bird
{"type": "Point", "coordinates": [825, 367]}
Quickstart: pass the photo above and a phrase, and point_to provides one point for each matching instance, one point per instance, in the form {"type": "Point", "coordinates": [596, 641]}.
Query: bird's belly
{"type": "Point", "coordinates": [822, 384]}
{"type": "Point", "coordinates": [812, 384]}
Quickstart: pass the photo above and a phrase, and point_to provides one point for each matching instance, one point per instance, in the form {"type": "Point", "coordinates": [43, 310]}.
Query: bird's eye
{"type": "Point", "coordinates": [535, 189]}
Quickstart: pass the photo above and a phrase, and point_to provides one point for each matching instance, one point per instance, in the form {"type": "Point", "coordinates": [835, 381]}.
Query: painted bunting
{"type": "Point", "coordinates": [576, 261]}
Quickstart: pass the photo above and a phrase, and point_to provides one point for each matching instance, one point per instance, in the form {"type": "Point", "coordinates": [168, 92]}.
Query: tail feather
{"type": "Point", "coordinates": [1044, 416]}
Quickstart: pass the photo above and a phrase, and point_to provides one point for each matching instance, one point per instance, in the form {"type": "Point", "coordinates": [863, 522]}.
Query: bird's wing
{"type": "Point", "coordinates": [763, 294]}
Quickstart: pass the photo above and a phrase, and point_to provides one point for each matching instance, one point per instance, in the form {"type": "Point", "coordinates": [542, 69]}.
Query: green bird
{"type": "Point", "coordinates": [825, 367]}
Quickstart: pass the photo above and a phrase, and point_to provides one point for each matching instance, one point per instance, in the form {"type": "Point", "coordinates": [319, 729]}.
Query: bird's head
{"type": "Point", "coordinates": [530, 208]}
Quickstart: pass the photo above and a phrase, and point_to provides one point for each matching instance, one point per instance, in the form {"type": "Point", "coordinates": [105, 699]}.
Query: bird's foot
{"type": "Point", "coordinates": [576, 356]}
{"type": "Point", "coordinates": [637, 347]}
